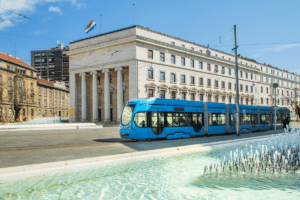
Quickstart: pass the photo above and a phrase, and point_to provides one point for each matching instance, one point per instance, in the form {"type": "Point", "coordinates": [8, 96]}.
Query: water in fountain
{"type": "Point", "coordinates": [42, 120]}
{"type": "Point", "coordinates": [281, 155]}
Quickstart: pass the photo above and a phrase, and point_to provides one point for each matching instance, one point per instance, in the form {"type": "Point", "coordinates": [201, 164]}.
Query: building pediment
{"type": "Point", "coordinates": [183, 88]}
{"type": "Point", "coordinates": [150, 85]}
{"type": "Point", "coordinates": [173, 87]}
{"type": "Point", "coordinates": [163, 86]}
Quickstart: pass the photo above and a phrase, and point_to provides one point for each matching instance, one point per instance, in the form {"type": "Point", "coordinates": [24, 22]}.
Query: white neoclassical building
{"type": "Point", "coordinates": [109, 69]}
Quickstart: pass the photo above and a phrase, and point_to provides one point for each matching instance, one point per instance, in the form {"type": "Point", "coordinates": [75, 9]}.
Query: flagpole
{"type": "Point", "coordinates": [100, 23]}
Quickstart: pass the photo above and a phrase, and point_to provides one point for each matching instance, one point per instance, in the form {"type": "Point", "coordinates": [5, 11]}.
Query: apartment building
{"type": "Point", "coordinates": [53, 64]}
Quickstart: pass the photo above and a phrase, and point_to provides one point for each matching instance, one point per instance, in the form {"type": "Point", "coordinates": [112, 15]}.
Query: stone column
{"type": "Point", "coordinates": [73, 98]}
{"type": "Point", "coordinates": [106, 96]}
{"type": "Point", "coordinates": [95, 96]}
{"type": "Point", "coordinates": [83, 97]}
{"type": "Point", "coordinates": [119, 92]}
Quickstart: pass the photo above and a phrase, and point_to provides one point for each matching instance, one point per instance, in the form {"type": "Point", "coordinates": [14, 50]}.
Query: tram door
{"type": "Point", "coordinates": [157, 122]}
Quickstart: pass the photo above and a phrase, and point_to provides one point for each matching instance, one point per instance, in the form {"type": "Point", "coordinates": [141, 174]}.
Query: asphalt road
{"type": "Point", "coordinates": [18, 148]}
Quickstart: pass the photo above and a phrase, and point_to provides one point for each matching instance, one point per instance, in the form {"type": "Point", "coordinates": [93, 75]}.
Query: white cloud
{"type": "Point", "coordinates": [280, 48]}
{"type": "Point", "coordinates": [54, 9]}
{"type": "Point", "coordinates": [77, 3]}
{"type": "Point", "coordinates": [9, 8]}
{"type": "Point", "coordinates": [5, 23]}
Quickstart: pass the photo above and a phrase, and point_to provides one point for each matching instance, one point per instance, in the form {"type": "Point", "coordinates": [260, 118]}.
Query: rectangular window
{"type": "Point", "coordinates": [182, 78]}
{"type": "Point", "coordinates": [182, 45]}
{"type": "Point", "coordinates": [201, 97]}
{"type": "Point", "coordinates": [229, 86]}
{"type": "Point", "coordinates": [192, 80]}
{"type": "Point", "coordinates": [192, 63]}
{"type": "Point", "coordinates": [173, 78]}
{"type": "Point", "coordinates": [246, 88]}
{"type": "Point", "coordinates": [162, 57]}
{"type": "Point", "coordinates": [182, 61]}
{"type": "Point", "coordinates": [201, 81]}
{"type": "Point", "coordinates": [150, 54]}
{"type": "Point", "coordinates": [208, 67]}
{"type": "Point", "coordinates": [216, 84]}
{"type": "Point", "coordinates": [150, 93]}
{"type": "Point", "coordinates": [192, 96]}
{"type": "Point", "coordinates": [251, 76]}
{"type": "Point", "coordinates": [162, 94]}
{"type": "Point", "coordinates": [162, 76]}
{"type": "Point", "coordinates": [223, 85]}
{"type": "Point", "coordinates": [223, 70]}
{"type": "Point", "coordinates": [200, 65]}
{"type": "Point", "coordinates": [173, 59]}
{"type": "Point", "coordinates": [216, 69]}
{"type": "Point", "coordinates": [183, 95]}
{"type": "Point", "coordinates": [241, 87]}
{"type": "Point", "coordinates": [10, 97]}
{"type": "Point", "coordinates": [262, 90]}
{"type": "Point", "coordinates": [208, 83]}
{"type": "Point", "coordinates": [241, 74]}
{"type": "Point", "coordinates": [173, 43]}
{"type": "Point", "coordinates": [229, 71]}
{"type": "Point", "coordinates": [150, 74]}
{"type": "Point", "coordinates": [251, 88]}
{"type": "Point", "coordinates": [173, 95]}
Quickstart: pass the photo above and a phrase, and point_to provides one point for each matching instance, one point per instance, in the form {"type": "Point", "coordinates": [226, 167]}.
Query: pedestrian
{"type": "Point", "coordinates": [286, 122]}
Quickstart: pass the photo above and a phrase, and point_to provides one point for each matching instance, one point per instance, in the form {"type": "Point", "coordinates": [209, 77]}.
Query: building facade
{"type": "Point", "coordinates": [20, 93]}
{"type": "Point", "coordinates": [53, 64]}
{"type": "Point", "coordinates": [52, 99]}
{"type": "Point", "coordinates": [109, 69]}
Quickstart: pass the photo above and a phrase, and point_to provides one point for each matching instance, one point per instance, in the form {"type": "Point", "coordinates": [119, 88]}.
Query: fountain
{"type": "Point", "coordinates": [280, 159]}
{"type": "Point", "coordinates": [266, 168]}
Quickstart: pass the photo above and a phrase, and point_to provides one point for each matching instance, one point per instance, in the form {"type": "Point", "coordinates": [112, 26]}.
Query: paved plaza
{"type": "Point", "coordinates": [18, 148]}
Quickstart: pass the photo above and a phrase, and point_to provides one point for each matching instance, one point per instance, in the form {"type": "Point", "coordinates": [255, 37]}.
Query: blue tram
{"type": "Point", "coordinates": [171, 118]}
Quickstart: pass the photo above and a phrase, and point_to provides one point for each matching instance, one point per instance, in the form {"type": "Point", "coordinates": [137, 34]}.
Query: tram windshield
{"type": "Point", "coordinates": [127, 114]}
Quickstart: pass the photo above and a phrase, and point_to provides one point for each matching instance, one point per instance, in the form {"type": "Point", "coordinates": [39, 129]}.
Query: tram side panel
{"type": "Point", "coordinates": [216, 118]}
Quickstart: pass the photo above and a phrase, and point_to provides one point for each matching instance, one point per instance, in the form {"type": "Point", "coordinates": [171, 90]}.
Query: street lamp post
{"type": "Point", "coordinates": [275, 85]}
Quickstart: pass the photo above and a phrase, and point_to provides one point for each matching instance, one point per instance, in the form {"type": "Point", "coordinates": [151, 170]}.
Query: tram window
{"type": "Point", "coordinates": [161, 118]}
{"type": "Point", "coordinates": [232, 119]}
{"type": "Point", "coordinates": [254, 119]}
{"type": "Point", "coordinates": [194, 119]}
{"type": "Point", "coordinates": [279, 118]}
{"type": "Point", "coordinates": [216, 119]}
{"type": "Point", "coordinates": [184, 119]}
{"type": "Point", "coordinates": [245, 118]}
{"type": "Point", "coordinates": [175, 119]}
{"type": "Point", "coordinates": [140, 119]}
{"type": "Point", "coordinates": [200, 118]}
{"type": "Point", "coordinates": [127, 114]}
{"type": "Point", "coordinates": [265, 119]}
{"type": "Point", "coordinates": [153, 119]}
{"type": "Point", "coordinates": [169, 120]}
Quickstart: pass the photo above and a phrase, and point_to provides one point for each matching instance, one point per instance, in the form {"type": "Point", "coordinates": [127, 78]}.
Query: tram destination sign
{"type": "Point", "coordinates": [178, 109]}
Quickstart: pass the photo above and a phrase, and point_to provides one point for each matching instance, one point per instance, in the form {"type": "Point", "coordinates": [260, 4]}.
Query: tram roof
{"type": "Point", "coordinates": [242, 106]}
{"type": "Point", "coordinates": [174, 102]}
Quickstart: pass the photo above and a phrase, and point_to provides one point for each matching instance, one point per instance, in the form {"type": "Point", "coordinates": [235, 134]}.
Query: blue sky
{"type": "Point", "coordinates": [266, 29]}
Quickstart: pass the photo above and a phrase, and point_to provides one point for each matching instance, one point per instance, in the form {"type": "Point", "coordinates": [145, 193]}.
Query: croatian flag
{"type": "Point", "coordinates": [90, 27]}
